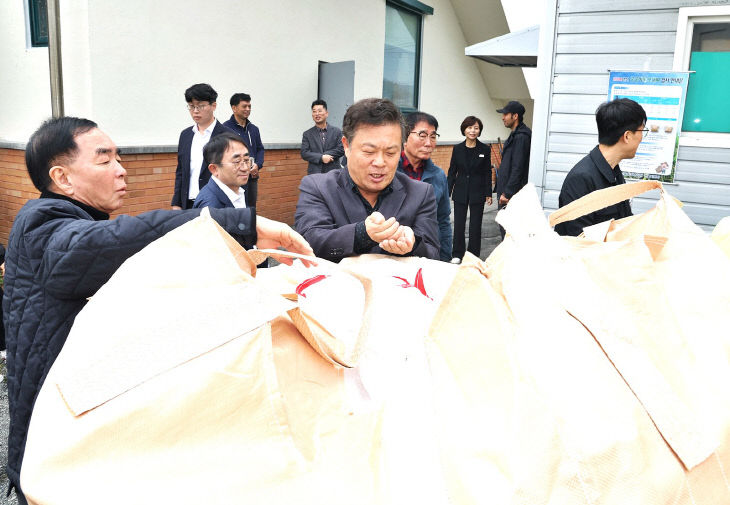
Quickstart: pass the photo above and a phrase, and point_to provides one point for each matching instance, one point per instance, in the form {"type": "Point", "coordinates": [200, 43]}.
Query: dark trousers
{"type": "Point", "coordinates": [20, 497]}
{"type": "Point", "coordinates": [252, 191]}
{"type": "Point", "coordinates": [476, 212]}
{"type": "Point", "coordinates": [501, 230]}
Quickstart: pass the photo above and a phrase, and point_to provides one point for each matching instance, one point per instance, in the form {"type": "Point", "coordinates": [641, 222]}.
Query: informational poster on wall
{"type": "Point", "coordinates": [662, 95]}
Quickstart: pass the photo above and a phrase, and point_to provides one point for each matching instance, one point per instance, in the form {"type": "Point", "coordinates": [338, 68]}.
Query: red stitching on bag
{"type": "Point", "coordinates": [417, 283]}
{"type": "Point", "coordinates": [305, 284]}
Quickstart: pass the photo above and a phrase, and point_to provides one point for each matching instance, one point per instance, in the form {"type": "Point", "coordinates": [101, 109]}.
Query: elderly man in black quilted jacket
{"type": "Point", "coordinates": [63, 248]}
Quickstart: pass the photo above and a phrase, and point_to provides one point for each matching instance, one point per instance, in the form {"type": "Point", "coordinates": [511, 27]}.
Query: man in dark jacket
{"type": "Point", "coordinates": [322, 143]}
{"type": "Point", "coordinates": [368, 207]}
{"type": "Point", "coordinates": [191, 173]}
{"type": "Point", "coordinates": [229, 163]}
{"type": "Point", "coordinates": [512, 172]}
{"type": "Point", "coordinates": [63, 248]}
{"type": "Point", "coordinates": [415, 162]}
{"type": "Point", "coordinates": [620, 131]}
{"type": "Point", "coordinates": [239, 123]}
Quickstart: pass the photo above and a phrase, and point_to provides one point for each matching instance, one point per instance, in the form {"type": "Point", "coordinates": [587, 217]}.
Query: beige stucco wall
{"type": "Point", "coordinates": [143, 55]}
{"type": "Point", "coordinates": [24, 83]}
{"type": "Point", "coordinates": [452, 86]}
{"type": "Point", "coordinates": [127, 64]}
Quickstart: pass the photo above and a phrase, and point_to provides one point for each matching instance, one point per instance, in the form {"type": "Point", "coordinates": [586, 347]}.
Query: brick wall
{"type": "Point", "coordinates": [15, 188]}
{"type": "Point", "coordinates": [442, 156]}
{"type": "Point", "coordinates": [151, 178]}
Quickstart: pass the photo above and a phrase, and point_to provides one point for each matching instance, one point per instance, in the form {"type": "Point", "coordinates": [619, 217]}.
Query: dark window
{"type": "Point", "coordinates": [402, 56]}
{"type": "Point", "coordinates": [38, 16]}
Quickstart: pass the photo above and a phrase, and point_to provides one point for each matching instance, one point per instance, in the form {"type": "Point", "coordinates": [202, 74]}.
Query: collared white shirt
{"type": "Point", "coordinates": [237, 199]}
{"type": "Point", "coordinates": [196, 156]}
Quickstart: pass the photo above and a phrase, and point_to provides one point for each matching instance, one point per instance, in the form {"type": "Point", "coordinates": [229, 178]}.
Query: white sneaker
{"type": "Point", "coordinates": [455, 261]}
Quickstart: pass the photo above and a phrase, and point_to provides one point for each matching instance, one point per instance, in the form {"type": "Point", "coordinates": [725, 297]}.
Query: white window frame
{"type": "Point", "coordinates": [688, 17]}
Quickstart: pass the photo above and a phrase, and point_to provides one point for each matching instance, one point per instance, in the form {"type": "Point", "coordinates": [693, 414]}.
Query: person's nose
{"type": "Point", "coordinates": [379, 160]}
{"type": "Point", "coordinates": [121, 171]}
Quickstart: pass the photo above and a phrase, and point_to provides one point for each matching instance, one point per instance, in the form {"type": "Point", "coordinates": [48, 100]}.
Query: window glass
{"type": "Point", "coordinates": [402, 56]}
{"type": "Point", "coordinates": [707, 109]}
{"type": "Point", "coordinates": [38, 18]}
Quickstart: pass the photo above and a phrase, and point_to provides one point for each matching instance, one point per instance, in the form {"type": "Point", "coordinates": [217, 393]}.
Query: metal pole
{"type": "Point", "coordinates": [54, 58]}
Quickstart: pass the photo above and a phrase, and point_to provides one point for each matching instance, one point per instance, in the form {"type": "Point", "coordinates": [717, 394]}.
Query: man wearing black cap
{"type": "Point", "coordinates": [512, 172]}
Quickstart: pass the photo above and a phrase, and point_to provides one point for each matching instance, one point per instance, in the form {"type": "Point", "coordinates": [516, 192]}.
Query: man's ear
{"type": "Point", "coordinates": [346, 145]}
{"type": "Point", "coordinates": [213, 169]}
{"type": "Point", "coordinates": [60, 178]}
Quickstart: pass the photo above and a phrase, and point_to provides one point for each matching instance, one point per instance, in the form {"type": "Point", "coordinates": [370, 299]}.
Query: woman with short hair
{"type": "Point", "coordinates": [470, 186]}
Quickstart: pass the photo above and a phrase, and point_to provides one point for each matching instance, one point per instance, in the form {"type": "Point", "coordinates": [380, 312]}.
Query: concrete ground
{"type": "Point", "coordinates": [4, 426]}
{"type": "Point", "coordinates": [490, 240]}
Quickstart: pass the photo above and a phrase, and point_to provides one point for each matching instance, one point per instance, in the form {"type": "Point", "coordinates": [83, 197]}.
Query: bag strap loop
{"type": "Point", "coordinates": [601, 199]}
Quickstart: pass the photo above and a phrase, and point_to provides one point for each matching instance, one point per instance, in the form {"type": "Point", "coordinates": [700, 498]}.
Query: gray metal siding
{"type": "Point", "coordinates": [583, 6]}
{"type": "Point", "coordinates": [592, 37]}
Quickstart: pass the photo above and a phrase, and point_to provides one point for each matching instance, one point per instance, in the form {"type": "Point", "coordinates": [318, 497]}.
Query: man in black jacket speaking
{"type": "Point", "coordinates": [63, 248]}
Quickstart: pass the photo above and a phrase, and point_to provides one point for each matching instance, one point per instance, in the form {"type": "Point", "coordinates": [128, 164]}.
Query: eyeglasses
{"type": "Point", "coordinates": [246, 160]}
{"type": "Point", "coordinates": [643, 131]}
{"type": "Point", "coordinates": [198, 108]}
{"type": "Point", "coordinates": [423, 134]}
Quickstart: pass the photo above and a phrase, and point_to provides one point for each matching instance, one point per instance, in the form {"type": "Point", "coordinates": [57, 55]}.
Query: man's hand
{"type": "Point", "coordinates": [489, 200]}
{"type": "Point", "coordinates": [401, 243]}
{"type": "Point", "coordinates": [175, 207]}
{"type": "Point", "coordinates": [273, 234]}
{"type": "Point", "coordinates": [503, 200]}
{"type": "Point", "coordinates": [327, 158]}
{"type": "Point", "coordinates": [379, 228]}
{"type": "Point", "coordinates": [254, 172]}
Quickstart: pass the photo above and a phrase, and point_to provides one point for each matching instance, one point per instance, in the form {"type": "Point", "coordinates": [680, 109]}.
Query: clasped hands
{"type": "Point", "coordinates": [389, 234]}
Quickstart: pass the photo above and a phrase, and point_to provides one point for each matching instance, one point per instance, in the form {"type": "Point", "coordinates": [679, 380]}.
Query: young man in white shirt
{"type": "Point", "coordinates": [191, 173]}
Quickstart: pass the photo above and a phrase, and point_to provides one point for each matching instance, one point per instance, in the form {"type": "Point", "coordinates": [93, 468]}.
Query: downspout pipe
{"type": "Point", "coordinates": [54, 58]}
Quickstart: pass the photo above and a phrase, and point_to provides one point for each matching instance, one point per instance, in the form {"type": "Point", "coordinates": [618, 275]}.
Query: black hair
{"type": "Point", "coordinates": [53, 142]}
{"type": "Point", "coordinates": [240, 97]}
{"type": "Point", "coordinates": [617, 116]}
{"type": "Point", "coordinates": [370, 111]}
{"type": "Point", "coordinates": [215, 149]}
{"type": "Point", "coordinates": [413, 118]}
{"type": "Point", "coordinates": [469, 121]}
{"type": "Point", "coordinates": [201, 92]}
{"type": "Point", "coordinates": [319, 102]}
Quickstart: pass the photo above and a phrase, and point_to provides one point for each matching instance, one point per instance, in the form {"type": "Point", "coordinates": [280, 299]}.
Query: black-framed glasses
{"type": "Point", "coordinates": [245, 160]}
{"type": "Point", "coordinates": [423, 134]}
{"type": "Point", "coordinates": [198, 108]}
{"type": "Point", "coordinates": [643, 131]}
